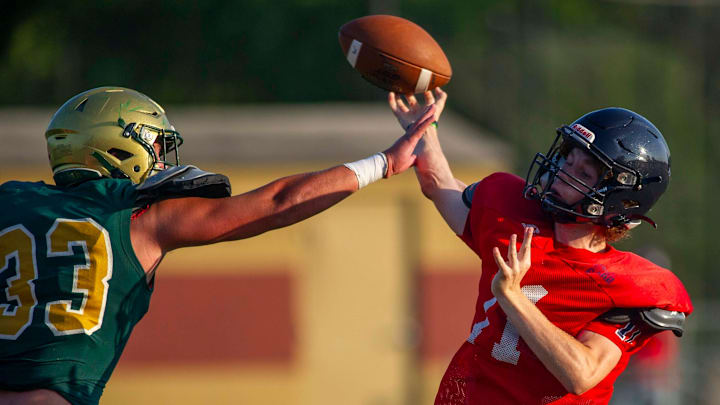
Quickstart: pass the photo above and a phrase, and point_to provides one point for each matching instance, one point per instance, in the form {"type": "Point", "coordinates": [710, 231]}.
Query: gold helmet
{"type": "Point", "coordinates": [110, 132]}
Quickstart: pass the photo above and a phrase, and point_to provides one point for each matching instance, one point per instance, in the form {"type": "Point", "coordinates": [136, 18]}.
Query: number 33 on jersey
{"type": "Point", "coordinates": [71, 287]}
{"type": "Point", "coordinates": [90, 274]}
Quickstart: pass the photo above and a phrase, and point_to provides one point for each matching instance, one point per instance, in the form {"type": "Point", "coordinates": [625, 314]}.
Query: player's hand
{"type": "Point", "coordinates": [401, 155]}
{"type": "Point", "coordinates": [511, 271]}
{"type": "Point", "coordinates": [410, 110]}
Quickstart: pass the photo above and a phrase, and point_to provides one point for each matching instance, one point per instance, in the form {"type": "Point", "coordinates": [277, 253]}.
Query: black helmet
{"type": "Point", "coordinates": [635, 161]}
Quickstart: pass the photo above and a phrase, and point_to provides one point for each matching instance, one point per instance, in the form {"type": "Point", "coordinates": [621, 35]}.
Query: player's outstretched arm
{"type": "Point", "coordinates": [432, 169]}
{"type": "Point", "coordinates": [177, 223]}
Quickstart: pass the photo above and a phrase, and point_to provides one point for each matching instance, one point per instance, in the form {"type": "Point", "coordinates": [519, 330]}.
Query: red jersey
{"type": "Point", "coordinates": [571, 287]}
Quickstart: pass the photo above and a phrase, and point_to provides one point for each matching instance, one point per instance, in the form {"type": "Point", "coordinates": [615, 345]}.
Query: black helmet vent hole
{"type": "Point", "coordinates": [120, 154]}
{"type": "Point", "coordinates": [630, 204]}
{"type": "Point", "coordinates": [153, 113]}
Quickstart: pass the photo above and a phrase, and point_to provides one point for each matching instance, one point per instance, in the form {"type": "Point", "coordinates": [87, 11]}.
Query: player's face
{"type": "Point", "coordinates": [158, 151]}
{"type": "Point", "coordinates": [580, 165]}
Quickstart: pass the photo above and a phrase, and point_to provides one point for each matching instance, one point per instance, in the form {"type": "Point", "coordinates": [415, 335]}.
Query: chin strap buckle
{"type": "Point", "coordinates": [630, 221]}
{"type": "Point", "coordinates": [633, 218]}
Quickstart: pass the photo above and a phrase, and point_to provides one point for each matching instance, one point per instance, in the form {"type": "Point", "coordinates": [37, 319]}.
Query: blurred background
{"type": "Point", "coordinates": [366, 303]}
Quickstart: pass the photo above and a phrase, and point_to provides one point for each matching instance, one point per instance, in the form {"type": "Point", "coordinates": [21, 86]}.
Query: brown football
{"type": "Point", "coordinates": [394, 54]}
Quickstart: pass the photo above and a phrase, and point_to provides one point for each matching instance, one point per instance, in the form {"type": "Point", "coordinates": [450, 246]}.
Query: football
{"type": "Point", "coordinates": [394, 54]}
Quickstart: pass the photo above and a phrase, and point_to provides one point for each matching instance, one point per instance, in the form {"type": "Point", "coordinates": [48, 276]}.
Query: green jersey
{"type": "Point", "coordinates": [73, 288]}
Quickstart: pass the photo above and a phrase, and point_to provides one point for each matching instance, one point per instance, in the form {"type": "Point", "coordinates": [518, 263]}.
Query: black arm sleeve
{"type": "Point", "coordinates": [468, 193]}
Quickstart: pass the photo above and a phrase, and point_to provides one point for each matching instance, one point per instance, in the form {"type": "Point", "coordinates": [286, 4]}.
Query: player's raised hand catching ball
{"type": "Point", "coordinates": [408, 111]}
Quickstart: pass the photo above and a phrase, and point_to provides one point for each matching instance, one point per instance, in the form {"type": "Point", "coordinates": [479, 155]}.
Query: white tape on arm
{"type": "Point", "coordinates": [369, 169]}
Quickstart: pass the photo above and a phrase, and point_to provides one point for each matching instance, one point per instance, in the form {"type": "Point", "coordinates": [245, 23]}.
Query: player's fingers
{"type": "Point", "coordinates": [401, 104]}
{"type": "Point", "coordinates": [429, 98]}
{"type": "Point", "coordinates": [429, 112]}
{"type": "Point", "coordinates": [440, 95]}
{"type": "Point", "coordinates": [500, 261]}
{"type": "Point", "coordinates": [512, 250]}
{"type": "Point", "coordinates": [392, 102]}
{"type": "Point", "coordinates": [441, 98]}
{"type": "Point", "coordinates": [418, 129]}
{"type": "Point", "coordinates": [412, 101]}
{"type": "Point", "coordinates": [527, 241]}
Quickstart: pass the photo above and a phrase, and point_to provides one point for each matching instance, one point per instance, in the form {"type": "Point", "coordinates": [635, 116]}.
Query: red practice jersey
{"type": "Point", "coordinates": [571, 287]}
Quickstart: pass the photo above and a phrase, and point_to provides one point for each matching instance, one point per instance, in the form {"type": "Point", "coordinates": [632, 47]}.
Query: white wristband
{"type": "Point", "coordinates": [369, 169]}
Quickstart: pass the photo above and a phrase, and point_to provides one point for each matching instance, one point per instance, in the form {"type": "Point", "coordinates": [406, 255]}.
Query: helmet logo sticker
{"type": "Point", "coordinates": [147, 136]}
{"type": "Point", "coordinates": [588, 134]}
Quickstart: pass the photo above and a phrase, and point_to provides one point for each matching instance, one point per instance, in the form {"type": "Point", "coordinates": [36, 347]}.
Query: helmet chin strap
{"type": "Point", "coordinates": [635, 220]}
{"type": "Point", "coordinates": [557, 210]}
{"type": "Point", "coordinates": [560, 211]}
{"type": "Point", "coordinates": [570, 214]}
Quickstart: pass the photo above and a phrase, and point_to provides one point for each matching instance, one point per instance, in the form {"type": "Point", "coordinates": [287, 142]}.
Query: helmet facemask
{"type": "Point", "coordinates": [147, 136]}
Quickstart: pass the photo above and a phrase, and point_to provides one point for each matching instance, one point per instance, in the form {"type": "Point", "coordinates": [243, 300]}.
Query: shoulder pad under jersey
{"type": "Point", "coordinates": [665, 320]}
{"type": "Point", "coordinates": [182, 181]}
{"type": "Point", "coordinates": [655, 317]}
{"type": "Point", "coordinates": [467, 195]}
